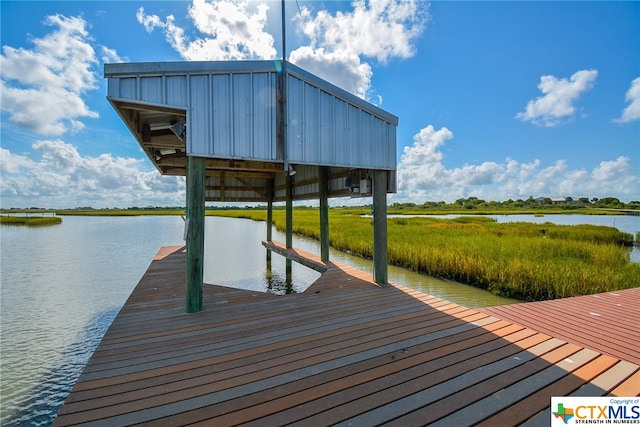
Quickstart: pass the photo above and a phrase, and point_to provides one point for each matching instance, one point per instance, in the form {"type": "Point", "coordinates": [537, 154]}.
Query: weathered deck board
{"type": "Point", "coordinates": [344, 351]}
{"type": "Point", "coordinates": [608, 322]}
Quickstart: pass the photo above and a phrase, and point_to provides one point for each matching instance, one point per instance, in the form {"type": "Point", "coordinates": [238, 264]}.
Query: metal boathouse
{"type": "Point", "coordinates": [257, 131]}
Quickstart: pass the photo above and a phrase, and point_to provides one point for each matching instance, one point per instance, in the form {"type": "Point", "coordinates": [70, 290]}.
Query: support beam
{"type": "Point", "coordinates": [289, 212]}
{"type": "Point", "coordinates": [195, 233]}
{"type": "Point", "coordinates": [380, 254]}
{"type": "Point", "coordinates": [289, 226]}
{"type": "Point", "coordinates": [323, 183]}
{"type": "Point", "coordinates": [270, 186]}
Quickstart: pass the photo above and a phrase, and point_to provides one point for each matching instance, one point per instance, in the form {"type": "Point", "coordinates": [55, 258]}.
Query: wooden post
{"type": "Point", "coordinates": [289, 225]}
{"type": "Point", "coordinates": [323, 182]}
{"type": "Point", "coordinates": [289, 212]}
{"type": "Point", "coordinates": [195, 232]}
{"type": "Point", "coordinates": [269, 219]}
{"type": "Point", "coordinates": [380, 255]}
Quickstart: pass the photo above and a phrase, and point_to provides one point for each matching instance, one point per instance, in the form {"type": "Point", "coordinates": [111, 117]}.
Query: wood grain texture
{"type": "Point", "coordinates": [344, 352]}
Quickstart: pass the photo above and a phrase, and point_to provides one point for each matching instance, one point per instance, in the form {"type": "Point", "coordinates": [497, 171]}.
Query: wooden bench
{"type": "Point", "coordinates": [301, 257]}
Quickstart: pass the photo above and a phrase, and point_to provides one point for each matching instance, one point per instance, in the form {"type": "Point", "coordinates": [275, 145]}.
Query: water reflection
{"type": "Point", "coordinates": [278, 284]}
{"type": "Point", "coordinates": [61, 288]}
{"type": "Point", "coordinates": [235, 257]}
{"type": "Point", "coordinates": [37, 406]}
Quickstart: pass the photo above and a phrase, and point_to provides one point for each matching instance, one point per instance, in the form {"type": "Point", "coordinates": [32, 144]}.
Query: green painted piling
{"type": "Point", "coordinates": [195, 233]}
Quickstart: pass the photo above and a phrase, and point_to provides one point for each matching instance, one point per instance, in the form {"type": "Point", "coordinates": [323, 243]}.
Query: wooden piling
{"type": "Point", "coordinates": [195, 233]}
{"type": "Point", "coordinates": [270, 188]}
{"type": "Point", "coordinates": [289, 212]}
{"type": "Point", "coordinates": [323, 183]}
{"type": "Point", "coordinates": [289, 224]}
{"type": "Point", "coordinates": [380, 254]}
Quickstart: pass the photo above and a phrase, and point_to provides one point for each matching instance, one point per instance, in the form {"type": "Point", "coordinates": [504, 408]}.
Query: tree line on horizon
{"type": "Point", "coordinates": [470, 203]}
{"type": "Point", "coordinates": [566, 203]}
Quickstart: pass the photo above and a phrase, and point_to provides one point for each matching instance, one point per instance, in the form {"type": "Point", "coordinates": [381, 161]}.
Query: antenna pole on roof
{"type": "Point", "coordinates": [283, 91]}
{"type": "Point", "coordinates": [282, 131]}
{"type": "Point", "coordinates": [284, 34]}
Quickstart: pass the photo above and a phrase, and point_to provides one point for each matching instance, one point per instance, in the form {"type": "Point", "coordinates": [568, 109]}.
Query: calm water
{"type": "Point", "coordinates": [62, 286]}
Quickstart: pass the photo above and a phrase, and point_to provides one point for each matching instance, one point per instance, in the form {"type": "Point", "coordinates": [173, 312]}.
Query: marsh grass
{"type": "Point", "coordinates": [31, 221]}
{"type": "Point", "coordinates": [520, 260]}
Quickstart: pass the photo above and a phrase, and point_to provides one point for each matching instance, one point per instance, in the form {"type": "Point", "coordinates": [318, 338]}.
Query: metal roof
{"type": "Point", "coordinates": [231, 112]}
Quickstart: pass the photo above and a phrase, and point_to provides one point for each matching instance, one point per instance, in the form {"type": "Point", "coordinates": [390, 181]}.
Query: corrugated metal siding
{"type": "Point", "coordinates": [391, 144]}
{"type": "Point", "coordinates": [221, 114]}
{"type": "Point", "coordinates": [233, 190]}
{"type": "Point", "coordinates": [306, 186]}
{"type": "Point", "coordinates": [311, 125]}
{"type": "Point", "coordinates": [340, 131]}
{"type": "Point", "coordinates": [264, 116]}
{"type": "Point", "coordinates": [233, 116]}
{"type": "Point", "coordinates": [231, 112]}
{"type": "Point", "coordinates": [336, 185]}
{"type": "Point", "coordinates": [128, 88]}
{"type": "Point", "coordinates": [324, 129]}
{"type": "Point", "coordinates": [295, 125]}
{"type": "Point", "coordinates": [327, 132]}
{"type": "Point", "coordinates": [176, 91]}
{"type": "Point", "coordinates": [305, 180]}
{"type": "Point", "coordinates": [242, 115]}
{"type": "Point", "coordinates": [230, 115]}
{"type": "Point", "coordinates": [151, 90]}
{"type": "Point", "coordinates": [353, 141]}
{"type": "Point", "coordinates": [198, 122]}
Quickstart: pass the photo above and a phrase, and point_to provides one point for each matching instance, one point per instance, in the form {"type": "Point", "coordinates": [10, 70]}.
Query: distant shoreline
{"type": "Point", "coordinates": [357, 210]}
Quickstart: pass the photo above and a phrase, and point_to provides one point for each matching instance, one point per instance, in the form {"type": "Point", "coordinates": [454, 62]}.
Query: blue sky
{"type": "Point", "coordinates": [497, 100]}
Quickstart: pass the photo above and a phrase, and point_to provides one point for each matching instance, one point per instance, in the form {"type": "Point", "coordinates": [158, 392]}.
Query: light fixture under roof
{"type": "Point", "coordinates": [179, 129]}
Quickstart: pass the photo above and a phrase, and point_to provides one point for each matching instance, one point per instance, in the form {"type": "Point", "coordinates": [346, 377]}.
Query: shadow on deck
{"type": "Point", "coordinates": [344, 352]}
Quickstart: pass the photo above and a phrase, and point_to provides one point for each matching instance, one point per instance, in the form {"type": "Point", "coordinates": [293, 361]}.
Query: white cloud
{"type": "Point", "coordinates": [422, 176]}
{"type": "Point", "coordinates": [424, 151]}
{"type": "Point", "coordinates": [42, 88]}
{"type": "Point", "coordinates": [62, 177]}
{"type": "Point", "coordinates": [111, 56]}
{"type": "Point", "coordinates": [379, 30]}
{"type": "Point", "coordinates": [557, 103]}
{"type": "Point", "coordinates": [338, 43]}
{"type": "Point", "coordinates": [341, 68]}
{"type": "Point", "coordinates": [632, 111]}
{"type": "Point", "coordinates": [13, 163]}
{"type": "Point", "coordinates": [382, 29]}
{"type": "Point", "coordinates": [230, 31]}
{"type": "Point", "coordinates": [610, 171]}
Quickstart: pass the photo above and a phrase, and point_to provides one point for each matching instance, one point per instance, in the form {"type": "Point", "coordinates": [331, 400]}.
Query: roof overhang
{"type": "Point", "coordinates": [156, 101]}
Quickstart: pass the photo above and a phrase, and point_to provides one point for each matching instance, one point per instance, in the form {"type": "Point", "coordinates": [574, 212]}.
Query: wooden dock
{"type": "Point", "coordinates": [344, 352]}
{"type": "Point", "coordinates": [608, 322]}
